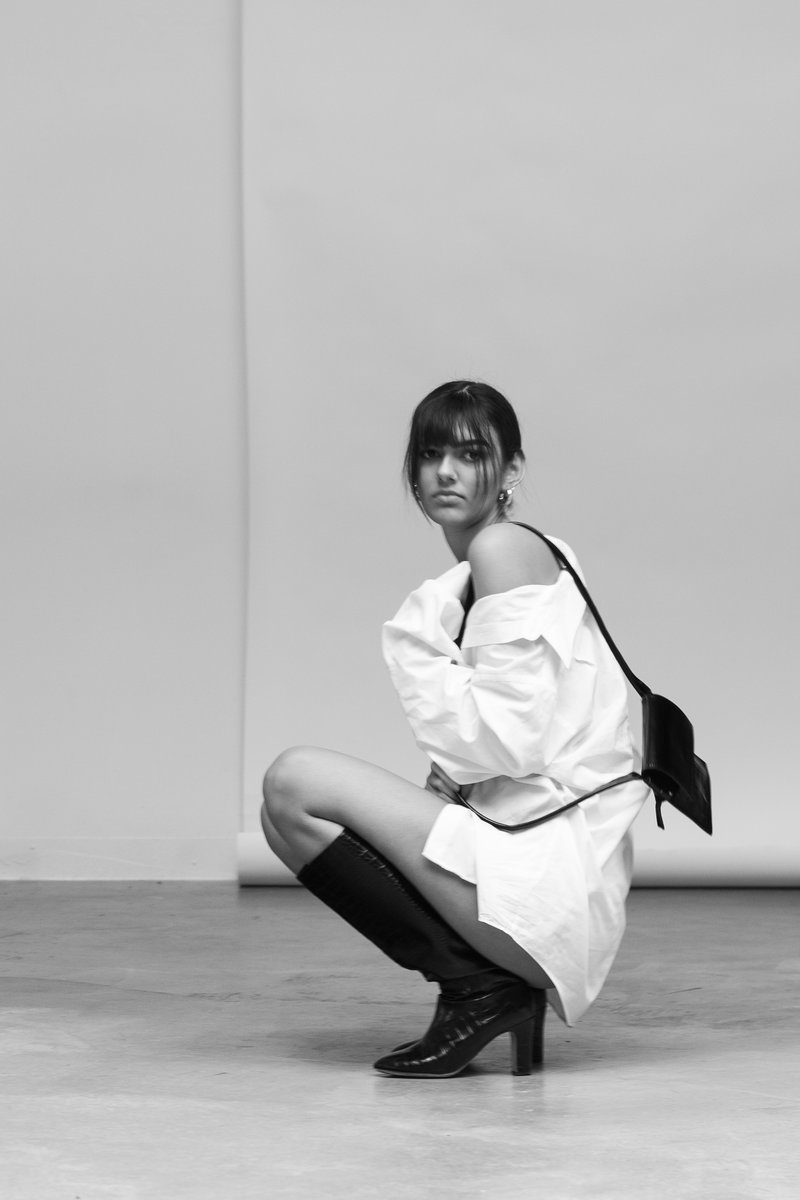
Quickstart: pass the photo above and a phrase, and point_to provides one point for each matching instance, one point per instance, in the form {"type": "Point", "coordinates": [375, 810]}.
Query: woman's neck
{"type": "Point", "coordinates": [459, 540]}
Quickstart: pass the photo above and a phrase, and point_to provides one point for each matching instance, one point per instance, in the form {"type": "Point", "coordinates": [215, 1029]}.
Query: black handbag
{"type": "Point", "coordinates": [670, 767]}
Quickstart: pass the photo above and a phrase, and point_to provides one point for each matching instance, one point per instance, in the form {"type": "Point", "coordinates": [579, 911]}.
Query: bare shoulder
{"type": "Point", "coordinates": [505, 556]}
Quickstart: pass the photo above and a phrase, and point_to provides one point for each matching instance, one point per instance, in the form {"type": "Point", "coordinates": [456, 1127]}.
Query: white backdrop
{"type": "Point", "coordinates": [592, 206]}
{"type": "Point", "coordinates": [122, 440]}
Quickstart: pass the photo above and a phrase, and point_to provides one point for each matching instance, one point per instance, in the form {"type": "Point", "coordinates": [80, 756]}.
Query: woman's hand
{"type": "Point", "coordinates": [440, 783]}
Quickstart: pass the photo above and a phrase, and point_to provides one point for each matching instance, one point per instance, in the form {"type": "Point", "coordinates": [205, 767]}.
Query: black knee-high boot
{"type": "Point", "coordinates": [478, 1000]}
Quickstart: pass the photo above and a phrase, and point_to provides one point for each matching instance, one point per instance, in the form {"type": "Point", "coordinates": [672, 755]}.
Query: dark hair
{"type": "Point", "coordinates": [463, 411]}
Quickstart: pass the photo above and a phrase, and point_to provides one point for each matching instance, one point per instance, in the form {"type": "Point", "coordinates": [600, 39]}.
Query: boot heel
{"type": "Point", "coordinates": [527, 1041]}
{"type": "Point", "coordinates": [522, 1048]}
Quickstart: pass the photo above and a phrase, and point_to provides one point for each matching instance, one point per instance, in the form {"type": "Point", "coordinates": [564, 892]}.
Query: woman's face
{"type": "Point", "coordinates": [457, 484]}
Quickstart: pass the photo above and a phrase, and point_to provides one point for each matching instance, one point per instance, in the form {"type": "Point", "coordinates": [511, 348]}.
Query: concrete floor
{"type": "Point", "coordinates": [162, 1041]}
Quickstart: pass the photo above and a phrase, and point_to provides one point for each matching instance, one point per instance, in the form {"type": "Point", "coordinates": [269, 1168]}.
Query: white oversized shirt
{"type": "Point", "coordinates": [532, 711]}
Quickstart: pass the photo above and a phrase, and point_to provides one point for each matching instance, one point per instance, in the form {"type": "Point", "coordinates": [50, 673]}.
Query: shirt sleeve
{"type": "Point", "coordinates": [488, 711]}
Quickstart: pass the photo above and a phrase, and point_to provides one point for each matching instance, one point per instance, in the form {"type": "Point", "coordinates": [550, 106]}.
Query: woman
{"type": "Point", "coordinates": [512, 693]}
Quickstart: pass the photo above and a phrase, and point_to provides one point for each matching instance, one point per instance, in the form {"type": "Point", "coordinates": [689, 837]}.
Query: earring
{"type": "Point", "coordinates": [505, 496]}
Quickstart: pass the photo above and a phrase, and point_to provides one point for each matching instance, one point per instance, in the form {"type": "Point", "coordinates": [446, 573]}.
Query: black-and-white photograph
{"type": "Point", "coordinates": [398, 471]}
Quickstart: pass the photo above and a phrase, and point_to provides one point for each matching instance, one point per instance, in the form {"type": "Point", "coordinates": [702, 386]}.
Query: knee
{"type": "Point", "coordinates": [283, 786]}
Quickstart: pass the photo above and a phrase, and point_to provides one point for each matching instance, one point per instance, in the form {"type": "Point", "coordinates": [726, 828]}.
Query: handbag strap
{"type": "Point", "coordinates": [547, 816]}
{"type": "Point", "coordinates": [635, 682]}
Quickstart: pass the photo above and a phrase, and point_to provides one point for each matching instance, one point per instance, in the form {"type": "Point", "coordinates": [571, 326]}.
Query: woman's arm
{"type": "Point", "coordinates": [483, 721]}
{"type": "Point", "coordinates": [497, 716]}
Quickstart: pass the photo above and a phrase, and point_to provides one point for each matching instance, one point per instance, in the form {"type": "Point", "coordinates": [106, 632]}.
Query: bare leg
{"type": "Point", "coordinates": [310, 795]}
